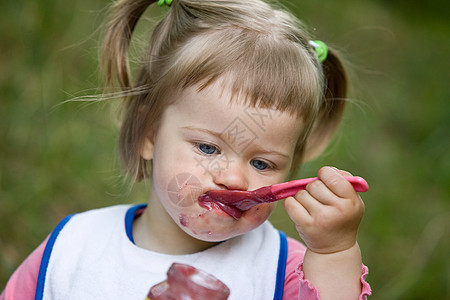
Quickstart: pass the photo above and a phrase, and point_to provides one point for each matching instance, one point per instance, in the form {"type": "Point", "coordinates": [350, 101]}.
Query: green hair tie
{"type": "Point", "coordinates": [164, 2]}
{"type": "Point", "coordinates": [321, 49]}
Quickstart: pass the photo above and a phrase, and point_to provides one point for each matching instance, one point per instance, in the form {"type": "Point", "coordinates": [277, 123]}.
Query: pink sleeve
{"type": "Point", "coordinates": [22, 284]}
{"type": "Point", "coordinates": [294, 282]}
{"type": "Point", "coordinates": [296, 252]}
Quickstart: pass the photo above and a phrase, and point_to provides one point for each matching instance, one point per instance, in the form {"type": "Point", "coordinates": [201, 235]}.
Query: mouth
{"type": "Point", "coordinates": [206, 202]}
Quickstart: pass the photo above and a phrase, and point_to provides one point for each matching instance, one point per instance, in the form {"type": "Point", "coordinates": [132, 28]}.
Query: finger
{"type": "Point", "coordinates": [308, 201]}
{"type": "Point", "coordinates": [333, 179]}
{"type": "Point", "coordinates": [343, 172]}
{"type": "Point", "coordinates": [296, 211]}
{"type": "Point", "coordinates": [321, 193]}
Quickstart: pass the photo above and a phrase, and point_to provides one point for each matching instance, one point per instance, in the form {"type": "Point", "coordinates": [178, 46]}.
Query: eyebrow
{"type": "Point", "coordinates": [261, 150]}
{"type": "Point", "coordinates": [203, 130]}
{"type": "Point", "coordinates": [273, 152]}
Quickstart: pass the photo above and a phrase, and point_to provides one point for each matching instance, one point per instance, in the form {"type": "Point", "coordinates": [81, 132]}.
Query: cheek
{"type": "Point", "coordinates": [179, 179]}
{"type": "Point", "coordinates": [183, 190]}
{"type": "Point", "coordinates": [168, 165]}
{"type": "Point", "coordinates": [171, 159]}
{"type": "Point", "coordinates": [260, 213]}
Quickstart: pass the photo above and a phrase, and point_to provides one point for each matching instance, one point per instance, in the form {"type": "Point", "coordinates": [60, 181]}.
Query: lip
{"type": "Point", "coordinates": [221, 209]}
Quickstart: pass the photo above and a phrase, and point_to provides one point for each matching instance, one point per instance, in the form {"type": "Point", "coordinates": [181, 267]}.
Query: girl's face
{"type": "Point", "coordinates": [205, 142]}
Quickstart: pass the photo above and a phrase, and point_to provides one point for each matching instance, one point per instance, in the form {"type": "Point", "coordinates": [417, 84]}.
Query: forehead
{"type": "Point", "coordinates": [230, 116]}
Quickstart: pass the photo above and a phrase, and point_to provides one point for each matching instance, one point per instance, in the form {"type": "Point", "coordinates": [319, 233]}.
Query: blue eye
{"type": "Point", "coordinates": [259, 164]}
{"type": "Point", "coordinates": [207, 148]}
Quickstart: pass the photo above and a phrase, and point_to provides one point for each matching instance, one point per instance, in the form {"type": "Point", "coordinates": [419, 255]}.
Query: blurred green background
{"type": "Point", "coordinates": [58, 158]}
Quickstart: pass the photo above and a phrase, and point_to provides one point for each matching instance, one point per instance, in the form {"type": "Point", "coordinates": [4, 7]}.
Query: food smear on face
{"type": "Point", "coordinates": [235, 202]}
{"type": "Point", "coordinates": [186, 282]}
{"type": "Point", "coordinates": [183, 220]}
{"type": "Point", "coordinates": [207, 202]}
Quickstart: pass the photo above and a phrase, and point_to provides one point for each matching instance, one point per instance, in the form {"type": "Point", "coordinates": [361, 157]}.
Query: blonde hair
{"type": "Point", "coordinates": [261, 51]}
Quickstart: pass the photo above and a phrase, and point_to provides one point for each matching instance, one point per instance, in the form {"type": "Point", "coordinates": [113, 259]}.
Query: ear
{"type": "Point", "coordinates": [147, 147]}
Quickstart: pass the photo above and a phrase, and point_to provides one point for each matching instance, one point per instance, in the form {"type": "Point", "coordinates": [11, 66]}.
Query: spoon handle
{"type": "Point", "coordinates": [290, 188]}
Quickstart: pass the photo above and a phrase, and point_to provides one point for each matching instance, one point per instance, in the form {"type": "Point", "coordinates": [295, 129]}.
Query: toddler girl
{"type": "Point", "coordinates": [230, 95]}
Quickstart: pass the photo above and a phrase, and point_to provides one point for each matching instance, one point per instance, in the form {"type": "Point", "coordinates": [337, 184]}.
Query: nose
{"type": "Point", "coordinates": [233, 177]}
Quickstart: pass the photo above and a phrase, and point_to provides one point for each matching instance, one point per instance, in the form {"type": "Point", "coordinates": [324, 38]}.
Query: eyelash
{"type": "Point", "coordinates": [198, 146]}
{"type": "Point", "coordinates": [269, 166]}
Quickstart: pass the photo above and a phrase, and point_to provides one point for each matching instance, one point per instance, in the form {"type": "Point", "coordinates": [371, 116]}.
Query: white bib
{"type": "Point", "coordinates": [92, 258]}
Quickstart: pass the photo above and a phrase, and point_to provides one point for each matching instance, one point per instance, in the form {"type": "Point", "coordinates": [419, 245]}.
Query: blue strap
{"type": "Point", "coordinates": [46, 257]}
{"type": "Point", "coordinates": [282, 258]}
{"type": "Point", "coordinates": [129, 218]}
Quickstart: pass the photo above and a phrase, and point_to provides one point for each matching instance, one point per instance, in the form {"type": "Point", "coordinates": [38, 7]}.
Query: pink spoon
{"type": "Point", "coordinates": [234, 202]}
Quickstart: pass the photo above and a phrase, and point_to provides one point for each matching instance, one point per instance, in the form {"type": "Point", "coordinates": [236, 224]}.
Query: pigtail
{"type": "Point", "coordinates": [124, 17]}
{"type": "Point", "coordinates": [332, 107]}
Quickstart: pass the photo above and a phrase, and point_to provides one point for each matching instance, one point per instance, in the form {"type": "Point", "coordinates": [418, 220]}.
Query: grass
{"type": "Point", "coordinates": [56, 158]}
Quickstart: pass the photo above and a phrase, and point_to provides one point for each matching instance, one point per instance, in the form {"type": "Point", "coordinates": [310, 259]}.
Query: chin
{"type": "Point", "coordinates": [213, 226]}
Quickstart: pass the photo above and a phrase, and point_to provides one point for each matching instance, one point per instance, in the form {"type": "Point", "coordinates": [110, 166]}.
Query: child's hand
{"type": "Point", "coordinates": [327, 214]}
